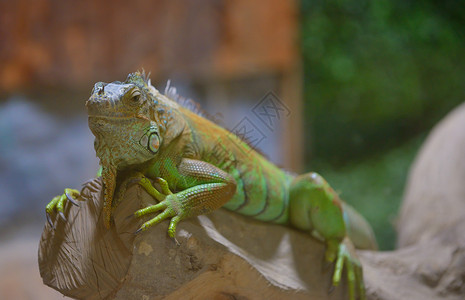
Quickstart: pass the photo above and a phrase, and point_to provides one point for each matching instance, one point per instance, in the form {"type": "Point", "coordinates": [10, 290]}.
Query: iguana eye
{"type": "Point", "coordinates": [135, 97]}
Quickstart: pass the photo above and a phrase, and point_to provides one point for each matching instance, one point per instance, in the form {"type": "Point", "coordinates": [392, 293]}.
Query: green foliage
{"type": "Point", "coordinates": [378, 72]}
{"type": "Point", "coordinates": [374, 187]}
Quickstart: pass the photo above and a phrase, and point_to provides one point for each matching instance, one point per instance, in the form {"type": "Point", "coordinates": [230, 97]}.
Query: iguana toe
{"type": "Point", "coordinates": [167, 213]}
{"type": "Point", "coordinates": [70, 198]}
{"type": "Point", "coordinates": [353, 269]}
{"type": "Point", "coordinates": [58, 203]}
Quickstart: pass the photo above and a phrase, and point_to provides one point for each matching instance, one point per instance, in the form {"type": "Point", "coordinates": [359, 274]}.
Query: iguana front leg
{"type": "Point", "coordinates": [315, 207]}
{"type": "Point", "coordinates": [209, 188]}
{"type": "Point", "coordinates": [108, 174]}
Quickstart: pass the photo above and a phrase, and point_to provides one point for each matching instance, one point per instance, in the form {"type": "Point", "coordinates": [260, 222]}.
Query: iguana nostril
{"type": "Point", "coordinates": [100, 90]}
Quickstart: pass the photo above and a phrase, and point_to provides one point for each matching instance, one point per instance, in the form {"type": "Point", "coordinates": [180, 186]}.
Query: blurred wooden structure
{"type": "Point", "coordinates": [211, 44]}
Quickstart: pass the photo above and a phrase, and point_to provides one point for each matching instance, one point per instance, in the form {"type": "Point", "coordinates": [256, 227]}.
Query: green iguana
{"type": "Point", "coordinates": [200, 167]}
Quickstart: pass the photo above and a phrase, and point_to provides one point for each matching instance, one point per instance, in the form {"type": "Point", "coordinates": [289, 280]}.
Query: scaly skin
{"type": "Point", "coordinates": [141, 134]}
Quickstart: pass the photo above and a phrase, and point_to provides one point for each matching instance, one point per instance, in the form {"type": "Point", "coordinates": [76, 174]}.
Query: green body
{"type": "Point", "coordinates": [201, 167]}
{"type": "Point", "coordinates": [263, 191]}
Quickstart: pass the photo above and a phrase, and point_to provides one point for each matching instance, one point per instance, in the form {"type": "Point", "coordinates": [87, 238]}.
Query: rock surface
{"type": "Point", "coordinates": [219, 256]}
{"type": "Point", "coordinates": [228, 256]}
{"type": "Point", "coordinates": [434, 200]}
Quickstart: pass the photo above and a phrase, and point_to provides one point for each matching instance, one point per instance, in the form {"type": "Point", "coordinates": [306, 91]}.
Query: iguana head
{"type": "Point", "coordinates": [130, 120]}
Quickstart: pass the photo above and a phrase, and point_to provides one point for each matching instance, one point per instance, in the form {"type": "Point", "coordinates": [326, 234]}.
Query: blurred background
{"type": "Point", "coordinates": [345, 88]}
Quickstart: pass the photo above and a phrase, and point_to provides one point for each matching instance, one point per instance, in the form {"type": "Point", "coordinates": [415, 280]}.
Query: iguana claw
{"type": "Point", "coordinates": [331, 289]}
{"type": "Point", "coordinates": [49, 220]}
{"type": "Point", "coordinates": [62, 216]}
{"type": "Point", "coordinates": [58, 204]}
{"type": "Point", "coordinates": [70, 198]}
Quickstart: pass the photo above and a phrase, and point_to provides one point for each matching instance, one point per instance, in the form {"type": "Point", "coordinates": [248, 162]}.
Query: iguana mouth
{"type": "Point", "coordinates": [118, 118]}
{"type": "Point", "coordinates": [112, 117]}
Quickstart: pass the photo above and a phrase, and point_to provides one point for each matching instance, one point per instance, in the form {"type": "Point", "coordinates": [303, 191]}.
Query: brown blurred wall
{"type": "Point", "coordinates": [76, 43]}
